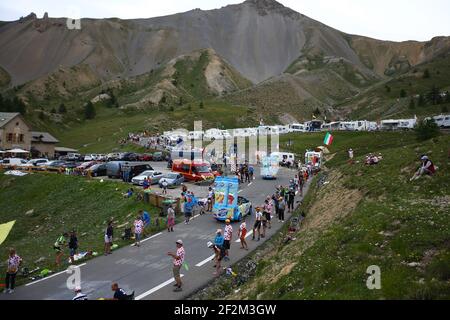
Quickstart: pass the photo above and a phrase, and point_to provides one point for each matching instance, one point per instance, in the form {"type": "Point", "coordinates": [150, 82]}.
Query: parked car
{"type": "Point", "coordinates": [73, 157]}
{"type": "Point", "coordinates": [55, 165]}
{"type": "Point", "coordinates": [113, 156]}
{"type": "Point", "coordinates": [86, 165]}
{"type": "Point", "coordinates": [136, 168]}
{"type": "Point", "coordinates": [145, 157]}
{"type": "Point", "coordinates": [90, 157]}
{"type": "Point", "coordinates": [173, 180]}
{"type": "Point", "coordinates": [14, 162]}
{"type": "Point", "coordinates": [158, 156]}
{"type": "Point", "coordinates": [98, 170]}
{"type": "Point", "coordinates": [129, 156]}
{"type": "Point", "coordinates": [154, 177]}
{"type": "Point", "coordinates": [37, 162]}
{"type": "Point", "coordinates": [70, 165]}
{"type": "Point", "coordinates": [114, 169]}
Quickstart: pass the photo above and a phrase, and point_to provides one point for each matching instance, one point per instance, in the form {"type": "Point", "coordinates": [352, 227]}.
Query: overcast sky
{"type": "Point", "coordinates": [382, 19]}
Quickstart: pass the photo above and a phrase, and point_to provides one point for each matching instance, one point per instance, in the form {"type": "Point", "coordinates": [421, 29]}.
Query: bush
{"type": "Point", "coordinates": [426, 130]}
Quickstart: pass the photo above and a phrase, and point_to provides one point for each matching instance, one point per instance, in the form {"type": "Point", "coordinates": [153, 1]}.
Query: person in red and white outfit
{"type": "Point", "coordinates": [228, 235]}
{"type": "Point", "coordinates": [14, 262]}
{"type": "Point", "coordinates": [178, 260]}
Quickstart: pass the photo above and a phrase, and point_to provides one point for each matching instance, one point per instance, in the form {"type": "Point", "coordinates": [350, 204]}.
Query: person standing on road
{"type": "Point", "coordinates": [146, 219]}
{"type": "Point", "coordinates": [219, 239]}
{"type": "Point", "coordinates": [218, 256]}
{"type": "Point", "coordinates": [109, 237]}
{"type": "Point", "coordinates": [301, 183]}
{"type": "Point", "coordinates": [211, 199]}
{"type": "Point", "coordinates": [58, 247]}
{"type": "Point", "coordinates": [228, 236]}
{"type": "Point", "coordinates": [73, 246]}
{"type": "Point", "coordinates": [138, 228]}
{"type": "Point", "coordinates": [282, 209]}
{"type": "Point", "coordinates": [178, 260]}
{"type": "Point", "coordinates": [170, 218]}
{"type": "Point", "coordinates": [251, 172]}
{"type": "Point", "coordinates": [242, 235]}
{"type": "Point", "coordinates": [164, 187]}
{"type": "Point", "coordinates": [258, 222]}
{"type": "Point", "coordinates": [14, 262]}
{"type": "Point", "coordinates": [268, 213]}
{"type": "Point", "coordinates": [291, 200]}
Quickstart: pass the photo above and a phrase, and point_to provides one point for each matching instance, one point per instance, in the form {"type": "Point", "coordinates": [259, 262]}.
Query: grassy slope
{"type": "Point", "coordinates": [376, 217]}
{"type": "Point", "coordinates": [61, 203]}
{"type": "Point", "coordinates": [103, 133]}
{"type": "Point", "coordinates": [378, 102]}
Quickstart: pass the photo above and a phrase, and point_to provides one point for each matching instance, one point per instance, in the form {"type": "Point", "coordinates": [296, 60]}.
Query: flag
{"type": "Point", "coordinates": [328, 141]}
{"type": "Point", "coordinates": [5, 229]}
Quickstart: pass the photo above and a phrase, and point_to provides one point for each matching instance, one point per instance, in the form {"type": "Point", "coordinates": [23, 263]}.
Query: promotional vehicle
{"type": "Point", "coordinates": [284, 158]}
{"type": "Point", "coordinates": [228, 204]}
{"type": "Point", "coordinates": [314, 158]}
{"type": "Point", "coordinates": [154, 177]}
{"type": "Point", "coordinates": [193, 171]}
{"type": "Point", "coordinates": [270, 167]}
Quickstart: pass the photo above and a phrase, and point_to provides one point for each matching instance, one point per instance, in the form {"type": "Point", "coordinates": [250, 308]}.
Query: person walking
{"type": "Point", "coordinates": [282, 209]}
{"type": "Point", "coordinates": [170, 218]}
{"type": "Point", "coordinates": [14, 263]}
{"type": "Point", "coordinates": [138, 229]}
{"type": "Point", "coordinates": [267, 209]}
{"type": "Point", "coordinates": [178, 260]}
{"type": "Point", "coordinates": [242, 235]}
{"type": "Point", "coordinates": [58, 247]}
{"type": "Point", "coordinates": [258, 222]}
{"type": "Point", "coordinates": [109, 232]}
{"type": "Point", "coordinates": [73, 246]}
{"type": "Point", "coordinates": [228, 236]}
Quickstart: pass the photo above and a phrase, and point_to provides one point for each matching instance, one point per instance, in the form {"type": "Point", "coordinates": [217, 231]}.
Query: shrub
{"type": "Point", "coordinates": [426, 130]}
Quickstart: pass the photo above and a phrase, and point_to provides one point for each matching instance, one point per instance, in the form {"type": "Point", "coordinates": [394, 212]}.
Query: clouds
{"type": "Point", "coordinates": [382, 19]}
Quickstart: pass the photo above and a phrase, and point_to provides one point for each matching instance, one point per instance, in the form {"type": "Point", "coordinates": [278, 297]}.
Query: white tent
{"type": "Point", "coordinates": [17, 151]}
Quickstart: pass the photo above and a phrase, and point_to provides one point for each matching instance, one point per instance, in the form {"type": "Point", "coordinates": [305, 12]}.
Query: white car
{"type": "Point", "coordinates": [37, 162]}
{"type": "Point", "coordinates": [155, 176]}
{"type": "Point", "coordinates": [90, 157]}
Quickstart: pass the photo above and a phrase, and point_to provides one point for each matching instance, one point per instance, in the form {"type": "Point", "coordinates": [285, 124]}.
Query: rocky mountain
{"type": "Point", "coordinates": [260, 40]}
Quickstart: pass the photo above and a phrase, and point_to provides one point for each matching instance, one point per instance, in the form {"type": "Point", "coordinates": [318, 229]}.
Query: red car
{"type": "Point", "coordinates": [145, 157]}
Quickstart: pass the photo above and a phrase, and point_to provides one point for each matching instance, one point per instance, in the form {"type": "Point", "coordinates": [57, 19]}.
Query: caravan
{"type": "Point", "coordinates": [443, 121]}
{"type": "Point", "coordinates": [332, 126]}
{"type": "Point", "coordinates": [313, 126]}
{"type": "Point", "coordinates": [297, 127]}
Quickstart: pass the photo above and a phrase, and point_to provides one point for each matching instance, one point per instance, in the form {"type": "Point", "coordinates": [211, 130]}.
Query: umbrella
{"type": "Point", "coordinates": [17, 151]}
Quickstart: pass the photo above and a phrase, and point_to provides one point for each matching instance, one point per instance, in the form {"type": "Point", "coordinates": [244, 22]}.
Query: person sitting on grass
{"type": "Point", "coordinates": [426, 169]}
{"type": "Point", "coordinates": [128, 194]}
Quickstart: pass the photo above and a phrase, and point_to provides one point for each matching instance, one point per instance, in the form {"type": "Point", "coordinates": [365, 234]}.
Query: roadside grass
{"type": "Point", "coordinates": [46, 205]}
{"type": "Point", "coordinates": [398, 225]}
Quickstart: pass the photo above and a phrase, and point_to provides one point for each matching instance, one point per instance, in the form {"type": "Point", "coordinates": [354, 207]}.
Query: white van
{"type": "Point", "coordinates": [14, 162]}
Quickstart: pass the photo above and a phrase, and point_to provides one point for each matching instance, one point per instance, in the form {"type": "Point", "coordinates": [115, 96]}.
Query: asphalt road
{"type": "Point", "coordinates": [148, 270]}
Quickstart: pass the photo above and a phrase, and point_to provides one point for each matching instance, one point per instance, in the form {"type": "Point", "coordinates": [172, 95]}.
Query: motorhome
{"type": "Point", "coordinates": [332, 126]}
{"type": "Point", "coordinates": [297, 127]}
{"type": "Point", "coordinates": [443, 121]}
{"type": "Point", "coordinates": [407, 124]}
{"type": "Point", "coordinates": [401, 124]}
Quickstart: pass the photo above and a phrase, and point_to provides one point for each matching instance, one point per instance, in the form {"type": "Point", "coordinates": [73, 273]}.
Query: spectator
{"type": "Point", "coordinates": [282, 209]}
{"type": "Point", "coordinates": [138, 228]}
{"type": "Point", "coordinates": [73, 246]}
{"type": "Point", "coordinates": [170, 218]}
{"type": "Point", "coordinates": [242, 235]}
{"type": "Point", "coordinates": [120, 294]}
{"type": "Point", "coordinates": [427, 168]}
{"type": "Point", "coordinates": [228, 236]}
{"type": "Point", "coordinates": [291, 200]}
{"type": "Point", "coordinates": [79, 295]}
{"type": "Point", "coordinates": [58, 247]}
{"type": "Point", "coordinates": [219, 239]}
{"type": "Point", "coordinates": [14, 262]}
{"type": "Point", "coordinates": [218, 256]}
{"type": "Point", "coordinates": [109, 237]}
{"type": "Point", "coordinates": [146, 219]}
{"type": "Point", "coordinates": [258, 222]}
{"type": "Point", "coordinates": [178, 260]}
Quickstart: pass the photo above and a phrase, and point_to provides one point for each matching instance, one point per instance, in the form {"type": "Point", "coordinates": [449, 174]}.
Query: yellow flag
{"type": "Point", "coordinates": [5, 229]}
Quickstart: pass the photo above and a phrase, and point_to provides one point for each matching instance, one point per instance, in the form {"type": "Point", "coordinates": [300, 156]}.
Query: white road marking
{"type": "Point", "coordinates": [248, 235]}
{"type": "Point", "coordinates": [195, 217]}
{"type": "Point", "coordinates": [250, 184]}
{"type": "Point", "coordinates": [240, 191]}
{"type": "Point", "coordinates": [53, 275]}
{"type": "Point", "coordinates": [152, 237]}
{"type": "Point", "coordinates": [200, 264]}
{"type": "Point", "coordinates": [162, 285]}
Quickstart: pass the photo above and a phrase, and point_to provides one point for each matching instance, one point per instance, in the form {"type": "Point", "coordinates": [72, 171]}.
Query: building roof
{"type": "Point", "coordinates": [6, 117]}
{"type": "Point", "coordinates": [62, 149]}
{"type": "Point", "coordinates": [43, 137]}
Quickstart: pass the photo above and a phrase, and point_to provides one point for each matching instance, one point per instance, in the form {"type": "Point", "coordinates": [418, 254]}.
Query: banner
{"type": "Point", "coordinates": [226, 191]}
{"type": "Point", "coordinates": [5, 229]}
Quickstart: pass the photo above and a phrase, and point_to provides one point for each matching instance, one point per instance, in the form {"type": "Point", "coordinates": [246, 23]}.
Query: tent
{"type": "Point", "coordinates": [17, 151]}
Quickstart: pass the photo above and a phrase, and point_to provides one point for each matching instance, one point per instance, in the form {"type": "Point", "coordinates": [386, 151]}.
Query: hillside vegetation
{"type": "Point", "coordinates": [44, 206]}
{"type": "Point", "coordinates": [358, 216]}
